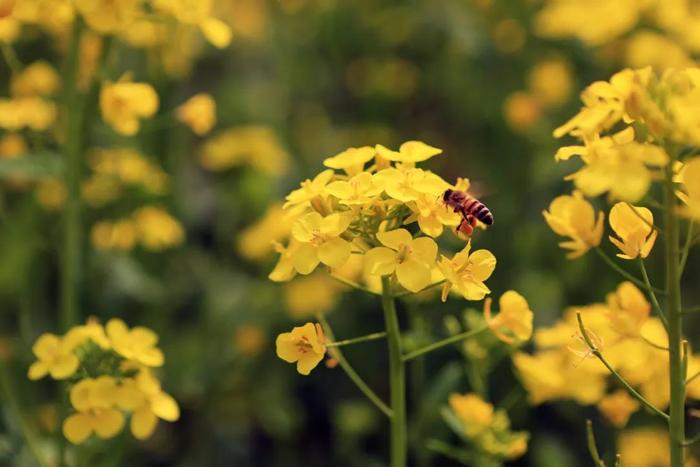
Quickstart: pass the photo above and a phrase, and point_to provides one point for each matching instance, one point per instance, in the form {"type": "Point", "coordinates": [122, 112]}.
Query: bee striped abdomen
{"type": "Point", "coordinates": [479, 210]}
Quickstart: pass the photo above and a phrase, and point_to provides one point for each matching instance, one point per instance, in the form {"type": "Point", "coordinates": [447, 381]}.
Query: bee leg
{"type": "Point", "coordinates": [466, 226]}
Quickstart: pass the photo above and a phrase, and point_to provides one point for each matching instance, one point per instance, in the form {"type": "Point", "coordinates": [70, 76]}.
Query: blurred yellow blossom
{"type": "Point", "coordinates": [124, 104]}
{"type": "Point", "coordinates": [572, 216]}
{"type": "Point", "coordinates": [51, 193]}
{"type": "Point", "coordinates": [646, 48]}
{"type": "Point", "coordinates": [411, 259]}
{"type": "Point", "coordinates": [30, 112]}
{"type": "Point", "coordinates": [633, 226]}
{"type": "Point", "coordinates": [157, 230]}
{"type": "Point", "coordinates": [199, 113]}
{"type": "Point", "coordinates": [36, 79]}
{"type": "Point", "coordinates": [521, 110]}
{"type": "Point", "coordinates": [148, 402]}
{"type": "Point", "coordinates": [467, 272]}
{"type": "Point", "coordinates": [644, 447]}
{"type": "Point", "coordinates": [256, 146]}
{"type": "Point", "coordinates": [249, 339]}
{"type": "Point", "coordinates": [551, 82]}
{"type": "Point", "coordinates": [617, 407]}
{"type": "Point", "coordinates": [6, 7]}
{"type": "Point", "coordinates": [304, 345]}
{"type": "Point", "coordinates": [198, 13]}
{"type": "Point", "coordinates": [691, 188]}
{"type": "Point", "coordinates": [120, 235]}
{"type": "Point", "coordinates": [256, 241]}
{"type": "Point", "coordinates": [108, 16]}
{"type": "Point", "coordinates": [475, 414]}
{"type": "Point", "coordinates": [308, 296]}
{"type": "Point", "coordinates": [629, 309]}
{"type": "Point", "coordinates": [94, 399]}
{"type": "Point", "coordinates": [54, 356]}
{"type": "Point", "coordinates": [509, 35]}
{"type": "Point", "coordinates": [138, 343]}
{"type": "Point", "coordinates": [514, 320]}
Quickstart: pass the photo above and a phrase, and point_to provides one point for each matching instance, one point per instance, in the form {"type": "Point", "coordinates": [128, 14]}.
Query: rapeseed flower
{"type": "Point", "coordinates": [352, 160]}
{"type": "Point", "coordinates": [634, 227]}
{"type": "Point", "coordinates": [198, 113]}
{"type": "Point", "coordinates": [514, 320]}
{"type": "Point", "coordinates": [124, 104]}
{"type": "Point", "coordinates": [304, 345]}
{"type": "Point", "coordinates": [411, 259]}
{"type": "Point", "coordinates": [618, 407]}
{"type": "Point", "coordinates": [574, 217]}
{"type": "Point", "coordinates": [409, 153]}
{"type": "Point", "coordinates": [54, 356]}
{"type": "Point", "coordinates": [320, 241]}
{"type": "Point", "coordinates": [466, 272]}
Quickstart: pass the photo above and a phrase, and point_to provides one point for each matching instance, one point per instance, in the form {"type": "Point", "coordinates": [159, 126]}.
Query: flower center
{"type": "Point", "coordinates": [303, 345]}
{"type": "Point", "coordinates": [404, 252]}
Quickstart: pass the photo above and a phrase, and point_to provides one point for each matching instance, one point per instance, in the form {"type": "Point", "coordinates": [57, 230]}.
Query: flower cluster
{"type": "Point", "coordinates": [110, 370]}
{"type": "Point", "coordinates": [488, 430]}
{"type": "Point", "coordinates": [634, 343]}
{"type": "Point", "coordinates": [371, 215]}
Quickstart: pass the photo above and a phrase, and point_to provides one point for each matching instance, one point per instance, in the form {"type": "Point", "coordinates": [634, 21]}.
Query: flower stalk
{"type": "Point", "coordinates": [675, 323]}
{"type": "Point", "coordinates": [397, 377]}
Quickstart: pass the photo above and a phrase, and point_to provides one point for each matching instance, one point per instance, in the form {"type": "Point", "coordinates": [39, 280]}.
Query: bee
{"type": "Point", "coordinates": [469, 207]}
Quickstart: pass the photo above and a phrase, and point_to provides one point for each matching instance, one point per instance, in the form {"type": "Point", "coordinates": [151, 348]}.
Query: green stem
{"type": "Point", "coordinates": [596, 352]}
{"type": "Point", "coordinates": [652, 294]}
{"type": "Point", "coordinates": [30, 436]}
{"type": "Point", "coordinates": [350, 371]}
{"type": "Point", "coordinates": [74, 109]}
{"type": "Point", "coordinates": [686, 247]}
{"type": "Point", "coordinates": [357, 340]}
{"type": "Point", "coordinates": [621, 271]}
{"type": "Point", "coordinates": [443, 343]}
{"type": "Point", "coordinates": [695, 309]}
{"type": "Point", "coordinates": [8, 52]}
{"type": "Point", "coordinates": [675, 322]}
{"type": "Point", "coordinates": [397, 377]}
{"type": "Point", "coordinates": [592, 448]}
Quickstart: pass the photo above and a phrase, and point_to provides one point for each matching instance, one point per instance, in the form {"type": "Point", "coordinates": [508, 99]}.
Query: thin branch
{"type": "Point", "coordinates": [8, 53]}
{"type": "Point", "coordinates": [687, 311]}
{"type": "Point", "coordinates": [442, 343]}
{"type": "Point", "coordinates": [350, 371]}
{"type": "Point", "coordinates": [357, 340]}
{"type": "Point", "coordinates": [592, 448]}
{"type": "Point", "coordinates": [650, 289]}
{"type": "Point", "coordinates": [691, 441]}
{"type": "Point", "coordinates": [595, 351]}
{"type": "Point", "coordinates": [656, 346]}
{"type": "Point", "coordinates": [624, 273]}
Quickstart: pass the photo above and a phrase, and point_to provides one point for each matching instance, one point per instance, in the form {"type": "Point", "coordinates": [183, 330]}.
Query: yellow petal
{"type": "Point", "coordinates": [305, 258]}
{"type": "Point", "coordinates": [483, 263]}
{"type": "Point", "coordinates": [217, 32]}
{"type": "Point", "coordinates": [308, 362]}
{"type": "Point", "coordinates": [335, 252]}
{"type": "Point", "coordinates": [151, 357]}
{"type": "Point", "coordinates": [165, 407]}
{"type": "Point", "coordinates": [413, 275]}
{"type": "Point", "coordinates": [380, 260]}
{"type": "Point", "coordinates": [46, 346]}
{"type": "Point", "coordinates": [143, 423]}
{"type": "Point", "coordinates": [77, 428]}
{"type": "Point", "coordinates": [64, 366]}
{"type": "Point", "coordinates": [395, 238]}
{"type": "Point", "coordinates": [286, 347]}
{"type": "Point", "coordinates": [108, 422]}
{"type": "Point", "coordinates": [37, 371]}
{"type": "Point", "coordinates": [424, 250]}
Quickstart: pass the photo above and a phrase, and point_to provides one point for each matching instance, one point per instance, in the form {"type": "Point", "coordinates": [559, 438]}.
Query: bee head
{"type": "Point", "coordinates": [446, 195]}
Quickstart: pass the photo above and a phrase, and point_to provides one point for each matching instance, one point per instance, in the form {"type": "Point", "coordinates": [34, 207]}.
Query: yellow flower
{"type": "Point", "coordinates": [138, 343]}
{"type": "Point", "coordinates": [54, 356]}
{"type": "Point", "coordinates": [94, 400]}
{"type": "Point", "coordinates": [257, 240]}
{"type": "Point", "coordinates": [360, 189]}
{"type": "Point", "coordinates": [320, 241]}
{"type": "Point", "coordinates": [120, 235]}
{"type": "Point", "coordinates": [551, 82]}
{"type": "Point", "coordinates": [690, 176]}
{"type": "Point", "coordinates": [515, 318]}
{"type": "Point", "coordinates": [92, 330]}
{"type": "Point", "coordinates": [431, 215]}
{"type": "Point", "coordinates": [616, 164]}
{"type": "Point", "coordinates": [409, 153]}
{"type": "Point", "coordinates": [475, 414]}
{"type": "Point", "coordinates": [51, 193]}
{"type": "Point", "coordinates": [408, 184]}
{"type": "Point", "coordinates": [411, 259]}
{"type": "Point", "coordinates": [37, 79]}
{"type": "Point", "coordinates": [6, 7]}
{"type": "Point", "coordinates": [197, 13]}
{"type": "Point", "coordinates": [199, 113]}
{"type": "Point", "coordinates": [249, 339]}
{"type": "Point", "coordinates": [604, 104]}
{"type": "Point", "coordinates": [633, 225]}
{"type": "Point", "coordinates": [467, 272]}
{"type": "Point", "coordinates": [572, 216]}
{"type": "Point", "coordinates": [124, 103]}
{"type": "Point", "coordinates": [107, 16]}
{"type": "Point", "coordinates": [617, 407]}
{"type": "Point", "coordinates": [144, 397]}
{"type": "Point", "coordinates": [521, 110]}
{"type": "Point", "coordinates": [305, 345]}
{"type": "Point", "coordinates": [157, 230]}
{"type": "Point", "coordinates": [284, 269]}
{"type": "Point", "coordinates": [352, 160]}
{"type": "Point", "coordinates": [308, 296]}
{"type": "Point", "coordinates": [257, 146]}
{"type": "Point", "coordinates": [644, 447]}
{"type": "Point", "coordinates": [310, 190]}
{"type": "Point", "coordinates": [31, 112]}
{"type": "Point", "coordinates": [629, 309]}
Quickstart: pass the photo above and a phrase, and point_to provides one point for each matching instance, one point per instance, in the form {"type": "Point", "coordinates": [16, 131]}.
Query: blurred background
{"type": "Point", "coordinates": [485, 80]}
